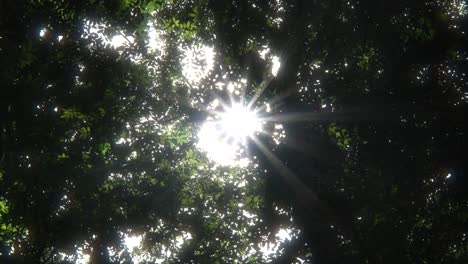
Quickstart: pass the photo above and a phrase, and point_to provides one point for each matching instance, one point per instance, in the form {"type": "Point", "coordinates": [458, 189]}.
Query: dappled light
{"type": "Point", "coordinates": [283, 131]}
{"type": "Point", "coordinates": [276, 64]}
{"type": "Point", "coordinates": [197, 63]}
{"type": "Point", "coordinates": [117, 39]}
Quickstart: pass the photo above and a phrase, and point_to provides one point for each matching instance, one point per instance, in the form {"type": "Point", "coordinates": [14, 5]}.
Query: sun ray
{"type": "Point", "coordinates": [342, 116]}
{"type": "Point", "coordinates": [304, 194]}
{"type": "Point", "coordinates": [289, 176]}
{"type": "Point", "coordinates": [263, 86]}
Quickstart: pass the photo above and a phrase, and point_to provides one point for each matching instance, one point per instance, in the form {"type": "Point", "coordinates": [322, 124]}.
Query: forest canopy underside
{"type": "Point", "coordinates": [222, 131]}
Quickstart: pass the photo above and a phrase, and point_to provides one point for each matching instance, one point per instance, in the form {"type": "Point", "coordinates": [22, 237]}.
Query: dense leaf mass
{"type": "Point", "coordinates": [360, 161]}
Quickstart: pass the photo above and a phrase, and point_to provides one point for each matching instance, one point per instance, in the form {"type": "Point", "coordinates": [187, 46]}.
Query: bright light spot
{"type": "Point", "coordinates": [239, 123]}
{"type": "Point", "coordinates": [132, 242]}
{"type": "Point", "coordinates": [279, 134]}
{"type": "Point", "coordinates": [448, 176]}
{"type": "Point", "coordinates": [248, 215]}
{"type": "Point", "coordinates": [276, 65]}
{"type": "Point", "coordinates": [277, 21]}
{"type": "Point", "coordinates": [42, 32]}
{"type": "Point", "coordinates": [180, 240]}
{"type": "Point", "coordinates": [214, 104]}
{"type": "Point", "coordinates": [270, 250]}
{"type": "Point", "coordinates": [219, 85]}
{"type": "Point", "coordinates": [263, 52]}
{"type": "Point", "coordinates": [155, 39]}
{"type": "Point", "coordinates": [225, 138]}
{"type": "Point", "coordinates": [284, 234]}
{"type": "Point", "coordinates": [217, 148]}
{"type": "Point", "coordinates": [120, 141]}
{"type": "Point", "coordinates": [82, 258]}
{"type": "Point", "coordinates": [197, 63]}
{"type": "Point", "coordinates": [231, 87]}
{"type": "Point", "coordinates": [97, 29]}
{"type": "Point", "coordinates": [279, 6]}
{"type": "Point", "coordinates": [133, 155]}
{"type": "Point", "coordinates": [118, 41]}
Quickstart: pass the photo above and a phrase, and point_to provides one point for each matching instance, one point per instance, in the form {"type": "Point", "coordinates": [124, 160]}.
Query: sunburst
{"type": "Point", "coordinates": [225, 136]}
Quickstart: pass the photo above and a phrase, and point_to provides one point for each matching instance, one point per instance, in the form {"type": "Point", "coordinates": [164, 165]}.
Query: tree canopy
{"type": "Point", "coordinates": [106, 154]}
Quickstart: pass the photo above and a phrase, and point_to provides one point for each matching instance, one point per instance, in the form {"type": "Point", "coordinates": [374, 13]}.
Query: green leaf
{"type": "Point", "coordinates": [104, 148]}
{"type": "Point", "coordinates": [84, 132]}
{"type": "Point", "coordinates": [62, 156]}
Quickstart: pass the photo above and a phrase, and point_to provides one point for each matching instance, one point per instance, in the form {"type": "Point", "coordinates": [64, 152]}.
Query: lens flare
{"type": "Point", "coordinates": [225, 138]}
{"type": "Point", "coordinates": [239, 123]}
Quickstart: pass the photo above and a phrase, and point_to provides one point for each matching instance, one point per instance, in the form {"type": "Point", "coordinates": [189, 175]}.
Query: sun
{"type": "Point", "coordinates": [225, 137]}
{"type": "Point", "coordinates": [239, 123]}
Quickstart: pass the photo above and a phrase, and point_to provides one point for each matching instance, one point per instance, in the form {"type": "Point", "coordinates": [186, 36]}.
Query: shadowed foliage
{"type": "Point", "coordinates": [99, 139]}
